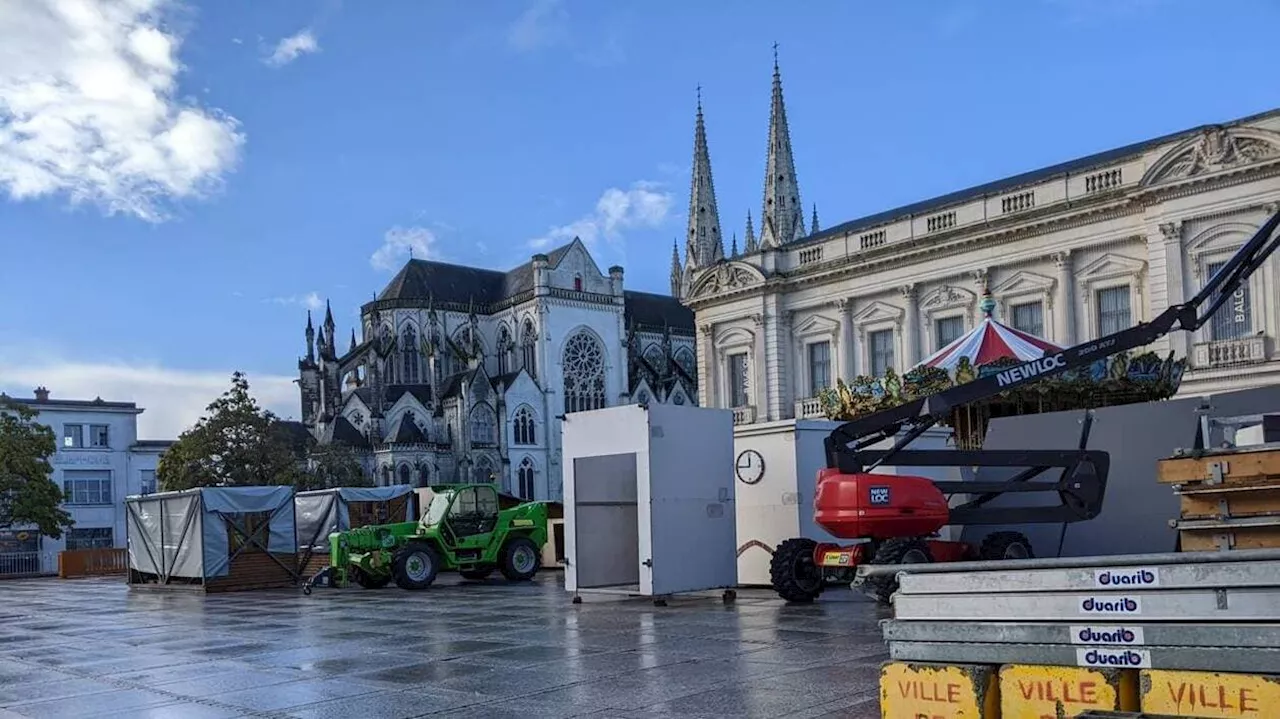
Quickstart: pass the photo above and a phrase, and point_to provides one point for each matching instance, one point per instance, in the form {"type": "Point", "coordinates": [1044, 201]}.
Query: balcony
{"type": "Point", "coordinates": [744, 415]}
{"type": "Point", "coordinates": [1230, 353]}
{"type": "Point", "coordinates": [808, 408]}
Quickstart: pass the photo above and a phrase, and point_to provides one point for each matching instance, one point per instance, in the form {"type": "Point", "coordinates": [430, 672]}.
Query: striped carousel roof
{"type": "Point", "coordinates": [990, 341]}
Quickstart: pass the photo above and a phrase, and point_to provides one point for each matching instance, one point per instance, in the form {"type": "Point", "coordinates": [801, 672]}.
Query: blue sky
{"type": "Point", "coordinates": [173, 196]}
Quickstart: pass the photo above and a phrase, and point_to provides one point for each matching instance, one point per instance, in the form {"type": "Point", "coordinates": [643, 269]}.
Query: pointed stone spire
{"type": "Point", "coordinates": [734, 252]}
{"type": "Point", "coordinates": [676, 269]}
{"type": "Point", "coordinates": [783, 218]}
{"type": "Point", "coordinates": [813, 226]}
{"type": "Point", "coordinates": [353, 340]}
{"type": "Point", "coordinates": [704, 245]}
{"type": "Point", "coordinates": [328, 318]}
{"type": "Point", "coordinates": [311, 339]}
{"type": "Point", "coordinates": [752, 245]}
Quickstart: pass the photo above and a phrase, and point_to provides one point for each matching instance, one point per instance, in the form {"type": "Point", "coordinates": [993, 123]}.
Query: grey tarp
{"type": "Point", "coordinates": [323, 511]}
{"type": "Point", "coordinates": [185, 534]}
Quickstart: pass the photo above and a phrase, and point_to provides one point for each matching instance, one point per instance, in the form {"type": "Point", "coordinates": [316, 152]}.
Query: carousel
{"type": "Point", "coordinates": [992, 347]}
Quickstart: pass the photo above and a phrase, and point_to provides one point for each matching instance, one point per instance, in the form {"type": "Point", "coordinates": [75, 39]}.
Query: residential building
{"type": "Point", "coordinates": [99, 461]}
{"type": "Point", "coordinates": [1069, 253]}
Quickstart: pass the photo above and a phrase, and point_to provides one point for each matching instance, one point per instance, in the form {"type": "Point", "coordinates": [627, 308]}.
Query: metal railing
{"type": "Point", "coordinates": [20, 564]}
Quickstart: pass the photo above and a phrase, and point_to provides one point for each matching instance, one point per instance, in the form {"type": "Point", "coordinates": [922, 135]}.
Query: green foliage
{"type": "Point", "coordinates": [28, 497]}
{"type": "Point", "coordinates": [333, 465]}
{"type": "Point", "coordinates": [238, 444]}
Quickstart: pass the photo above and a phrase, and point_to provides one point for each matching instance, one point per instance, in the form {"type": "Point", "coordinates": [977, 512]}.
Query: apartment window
{"type": "Point", "coordinates": [1232, 320]}
{"type": "Point", "coordinates": [881, 350]}
{"type": "Point", "coordinates": [83, 486]}
{"type": "Point", "coordinates": [948, 330]}
{"type": "Point", "coordinates": [1113, 310]}
{"type": "Point", "coordinates": [148, 482]}
{"type": "Point", "coordinates": [90, 538]}
{"type": "Point", "coordinates": [1028, 317]}
{"type": "Point", "coordinates": [738, 380]}
{"type": "Point", "coordinates": [819, 367]}
{"type": "Point", "coordinates": [99, 436]}
{"type": "Point", "coordinates": [73, 436]}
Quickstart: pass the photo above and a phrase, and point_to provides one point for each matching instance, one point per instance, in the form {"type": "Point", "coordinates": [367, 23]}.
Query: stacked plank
{"type": "Point", "coordinates": [1230, 497]}
{"type": "Point", "coordinates": [1168, 633]}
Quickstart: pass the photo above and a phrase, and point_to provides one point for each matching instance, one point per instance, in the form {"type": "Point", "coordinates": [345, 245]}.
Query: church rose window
{"type": "Point", "coordinates": [583, 373]}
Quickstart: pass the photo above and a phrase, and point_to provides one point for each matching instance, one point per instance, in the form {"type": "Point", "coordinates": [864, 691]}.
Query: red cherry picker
{"type": "Point", "coordinates": [897, 518]}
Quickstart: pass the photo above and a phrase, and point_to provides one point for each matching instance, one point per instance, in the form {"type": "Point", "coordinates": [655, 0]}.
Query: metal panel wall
{"type": "Point", "coordinates": [606, 522]}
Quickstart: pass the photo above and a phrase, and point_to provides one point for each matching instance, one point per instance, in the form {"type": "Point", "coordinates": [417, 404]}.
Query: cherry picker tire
{"type": "Point", "coordinates": [415, 566]}
{"type": "Point", "coordinates": [520, 559]}
{"type": "Point", "coordinates": [1005, 545]}
{"type": "Point", "coordinates": [894, 551]}
{"type": "Point", "coordinates": [369, 582]}
{"type": "Point", "coordinates": [792, 572]}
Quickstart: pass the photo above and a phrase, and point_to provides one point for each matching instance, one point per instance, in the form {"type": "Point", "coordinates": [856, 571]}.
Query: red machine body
{"type": "Point", "coordinates": [878, 506]}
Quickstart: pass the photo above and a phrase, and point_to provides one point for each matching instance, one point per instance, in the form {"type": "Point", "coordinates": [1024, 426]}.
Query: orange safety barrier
{"type": "Point", "coordinates": [92, 562]}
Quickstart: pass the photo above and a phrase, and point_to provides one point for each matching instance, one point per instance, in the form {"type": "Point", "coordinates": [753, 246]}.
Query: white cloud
{"type": "Point", "coordinates": [89, 108]}
{"type": "Point", "coordinates": [172, 399]}
{"type": "Point", "coordinates": [400, 244]}
{"type": "Point", "coordinates": [543, 24]}
{"type": "Point", "coordinates": [644, 205]}
{"type": "Point", "coordinates": [310, 300]}
{"type": "Point", "coordinates": [291, 48]}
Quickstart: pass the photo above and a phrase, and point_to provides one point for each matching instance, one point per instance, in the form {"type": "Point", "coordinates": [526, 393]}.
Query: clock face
{"type": "Point", "coordinates": [749, 467]}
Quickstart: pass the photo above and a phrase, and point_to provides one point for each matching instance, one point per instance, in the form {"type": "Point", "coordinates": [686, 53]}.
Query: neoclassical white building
{"type": "Point", "coordinates": [1069, 252]}
{"type": "Point", "coordinates": [463, 374]}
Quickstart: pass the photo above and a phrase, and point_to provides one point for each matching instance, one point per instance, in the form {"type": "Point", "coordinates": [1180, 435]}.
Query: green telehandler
{"type": "Point", "coordinates": [464, 528]}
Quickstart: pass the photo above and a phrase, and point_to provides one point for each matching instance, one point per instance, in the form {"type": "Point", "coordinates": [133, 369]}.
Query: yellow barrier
{"type": "Point", "coordinates": [1211, 695]}
{"type": "Point", "coordinates": [1039, 692]}
{"type": "Point", "coordinates": [917, 690]}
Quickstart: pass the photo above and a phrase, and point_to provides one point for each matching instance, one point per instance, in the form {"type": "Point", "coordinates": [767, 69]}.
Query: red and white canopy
{"type": "Point", "coordinates": [990, 341]}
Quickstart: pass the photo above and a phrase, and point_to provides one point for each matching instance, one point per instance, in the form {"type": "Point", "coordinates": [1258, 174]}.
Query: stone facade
{"type": "Point", "coordinates": [461, 374]}
{"type": "Point", "coordinates": [1070, 252]}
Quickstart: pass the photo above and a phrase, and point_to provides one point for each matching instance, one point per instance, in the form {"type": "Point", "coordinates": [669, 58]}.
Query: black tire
{"type": "Point", "coordinates": [415, 566]}
{"type": "Point", "coordinates": [894, 551]}
{"type": "Point", "coordinates": [520, 559]}
{"type": "Point", "coordinates": [1005, 545]}
{"type": "Point", "coordinates": [792, 572]}
{"type": "Point", "coordinates": [369, 581]}
{"type": "Point", "coordinates": [475, 574]}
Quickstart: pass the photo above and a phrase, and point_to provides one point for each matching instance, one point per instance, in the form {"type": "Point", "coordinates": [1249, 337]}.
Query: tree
{"type": "Point", "coordinates": [238, 444]}
{"type": "Point", "coordinates": [334, 465]}
{"type": "Point", "coordinates": [28, 497]}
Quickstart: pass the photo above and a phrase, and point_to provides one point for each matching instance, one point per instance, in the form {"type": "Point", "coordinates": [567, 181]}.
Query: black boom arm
{"type": "Point", "coordinates": [918, 415]}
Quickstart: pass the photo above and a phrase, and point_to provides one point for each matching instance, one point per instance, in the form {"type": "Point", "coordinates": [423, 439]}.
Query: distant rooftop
{"type": "Point", "coordinates": [43, 399]}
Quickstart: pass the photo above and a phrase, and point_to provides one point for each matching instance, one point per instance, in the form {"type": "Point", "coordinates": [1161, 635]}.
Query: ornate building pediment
{"type": "Point", "coordinates": [878, 312]}
{"type": "Point", "coordinates": [948, 297]}
{"type": "Point", "coordinates": [1215, 149]}
{"type": "Point", "coordinates": [725, 277]}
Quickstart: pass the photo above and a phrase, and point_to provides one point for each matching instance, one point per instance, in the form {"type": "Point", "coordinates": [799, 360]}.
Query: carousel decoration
{"type": "Point", "coordinates": [992, 347]}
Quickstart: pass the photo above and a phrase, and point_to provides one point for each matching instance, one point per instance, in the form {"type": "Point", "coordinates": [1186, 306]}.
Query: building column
{"type": "Point", "coordinates": [845, 307]}
{"type": "Point", "coordinates": [1065, 317]}
{"type": "Point", "coordinates": [1175, 289]}
{"type": "Point", "coordinates": [910, 327]}
{"type": "Point", "coordinates": [759, 369]}
{"type": "Point", "coordinates": [706, 352]}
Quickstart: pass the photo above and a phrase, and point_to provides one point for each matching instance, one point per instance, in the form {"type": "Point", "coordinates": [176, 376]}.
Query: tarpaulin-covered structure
{"type": "Point", "coordinates": [321, 512]}
{"type": "Point", "coordinates": [212, 539]}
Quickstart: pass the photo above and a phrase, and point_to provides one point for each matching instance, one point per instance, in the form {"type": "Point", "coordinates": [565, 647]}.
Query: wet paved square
{"type": "Point", "coordinates": [93, 648]}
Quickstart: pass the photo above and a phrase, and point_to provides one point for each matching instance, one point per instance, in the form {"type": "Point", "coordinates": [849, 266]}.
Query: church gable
{"type": "Point", "coordinates": [576, 270]}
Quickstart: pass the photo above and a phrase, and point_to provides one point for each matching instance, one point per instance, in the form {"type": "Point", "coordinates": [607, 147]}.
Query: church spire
{"type": "Point", "coordinates": [813, 225]}
{"type": "Point", "coordinates": [704, 245]}
{"type": "Point", "coordinates": [733, 252]}
{"type": "Point", "coordinates": [751, 244]}
{"type": "Point", "coordinates": [783, 218]}
{"type": "Point", "coordinates": [311, 339]}
{"type": "Point", "coordinates": [676, 269]}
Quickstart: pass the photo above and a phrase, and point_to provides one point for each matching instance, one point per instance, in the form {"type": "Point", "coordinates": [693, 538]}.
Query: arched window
{"type": "Point", "coordinates": [483, 425]}
{"type": "Point", "coordinates": [483, 471]}
{"type": "Point", "coordinates": [405, 474]}
{"type": "Point", "coordinates": [577, 283]}
{"type": "Point", "coordinates": [684, 358]}
{"type": "Point", "coordinates": [529, 349]}
{"type": "Point", "coordinates": [524, 426]}
{"type": "Point", "coordinates": [422, 475]}
{"type": "Point", "coordinates": [524, 477]}
{"type": "Point", "coordinates": [653, 355]}
{"type": "Point", "coordinates": [504, 350]}
{"type": "Point", "coordinates": [583, 373]}
{"type": "Point", "coordinates": [409, 356]}
{"type": "Point", "coordinates": [386, 475]}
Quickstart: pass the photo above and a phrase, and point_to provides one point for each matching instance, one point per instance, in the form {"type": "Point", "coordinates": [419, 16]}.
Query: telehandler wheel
{"type": "Point", "coordinates": [520, 559]}
{"type": "Point", "coordinates": [1005, 545]}
{"type": "Point", "coordinates": [415, 566]}
{"type": "Point", "coordinates": [792, 572]}
{"type": "Point", "coordinates": [475, 574]}
{"type": "Point", "coordinates": [364, 579]}
{"type": "Point", "coordinates": [894, 551]}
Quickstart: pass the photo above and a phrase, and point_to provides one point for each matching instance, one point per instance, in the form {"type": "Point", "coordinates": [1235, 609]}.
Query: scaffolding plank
{"type": "Point", "coordinates": [1087, 579]}
{"type": "Point", "coordinates": [1252, 660]}
{"type": "Point", "coordinates": [1084, 633]}
{"type": "Point", "coordinates": [1176, 605]}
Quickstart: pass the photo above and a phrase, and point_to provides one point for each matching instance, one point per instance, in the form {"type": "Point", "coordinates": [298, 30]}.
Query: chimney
{"type": "Point", "coordinates": [42, 394]}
